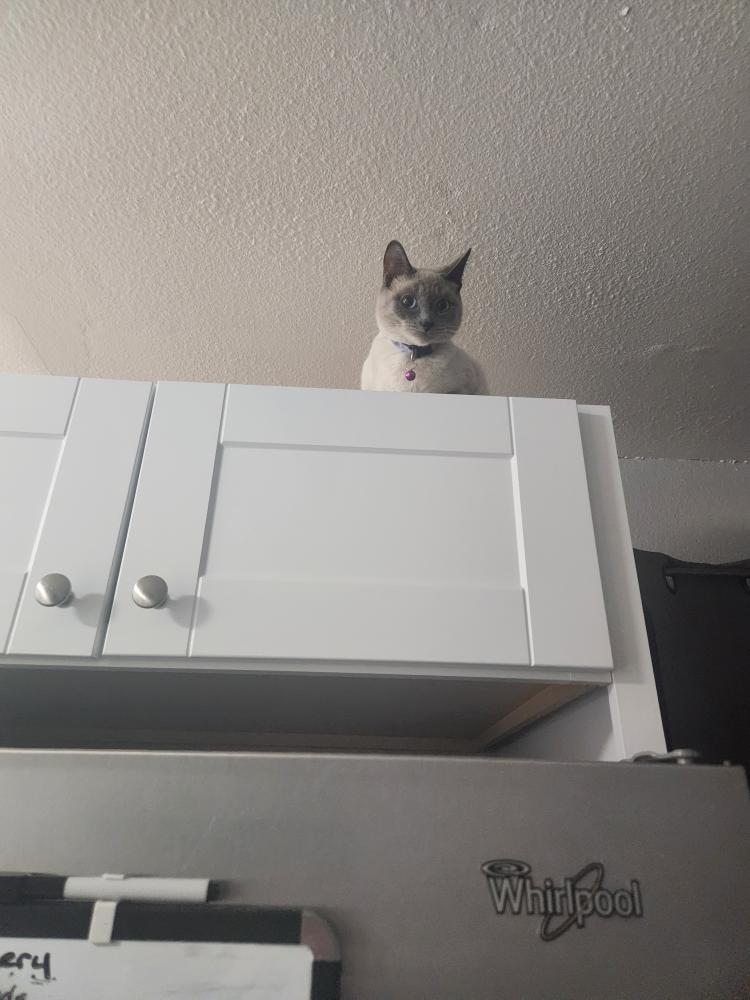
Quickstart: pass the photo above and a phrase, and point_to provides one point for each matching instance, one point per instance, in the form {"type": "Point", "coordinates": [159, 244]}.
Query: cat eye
{"type": "Point", "coordinates": [443, 306]}
{"type": "Point", "coordinates": [408, 302]}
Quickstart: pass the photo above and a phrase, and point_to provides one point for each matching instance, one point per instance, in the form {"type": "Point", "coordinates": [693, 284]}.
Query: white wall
{"type": "Point", "coordinates": [698, 511]}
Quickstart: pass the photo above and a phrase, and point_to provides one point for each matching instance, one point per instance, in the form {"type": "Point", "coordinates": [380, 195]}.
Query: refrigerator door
{"type": "Point", "coordinates": [446, 878]}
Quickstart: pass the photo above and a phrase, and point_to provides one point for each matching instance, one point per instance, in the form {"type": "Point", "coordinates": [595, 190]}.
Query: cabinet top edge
{"type": "Point", "coordinates": [351, 392]}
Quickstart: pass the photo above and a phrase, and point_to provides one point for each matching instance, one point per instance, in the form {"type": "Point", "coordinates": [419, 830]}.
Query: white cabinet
{"type": "Point", "coordinates": [68, 452]}
{"type": "Point", "coordinates": [34, 414]}
{"type": "Point", "coordinates": [343, 569]}
{"type": "Point", "coordinates": [334, 526]}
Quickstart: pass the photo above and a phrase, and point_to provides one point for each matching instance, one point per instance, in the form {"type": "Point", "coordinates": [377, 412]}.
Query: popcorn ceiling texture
{"type": "Point", "coordinates": [203, 189]}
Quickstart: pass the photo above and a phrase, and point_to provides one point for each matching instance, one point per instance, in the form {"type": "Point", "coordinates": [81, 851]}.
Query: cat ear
{"type": "Point", "coordinates": [454, 272]}
{"type": "Point", "coordinates": [395, 263]}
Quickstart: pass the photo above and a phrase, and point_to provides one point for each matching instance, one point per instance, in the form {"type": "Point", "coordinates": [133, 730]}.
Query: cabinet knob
{"type": "Point", "coordinates": [150, 592]}
{"type": "Point", "coordinates": [53, 590]}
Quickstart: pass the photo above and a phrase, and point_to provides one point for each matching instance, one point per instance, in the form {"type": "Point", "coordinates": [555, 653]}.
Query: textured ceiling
{"type": "Point", "coordinates": [203, 189]}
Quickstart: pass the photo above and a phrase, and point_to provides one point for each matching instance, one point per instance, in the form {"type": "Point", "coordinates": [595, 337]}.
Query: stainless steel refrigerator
{"type": "Point", "coordinates": [444, 878]}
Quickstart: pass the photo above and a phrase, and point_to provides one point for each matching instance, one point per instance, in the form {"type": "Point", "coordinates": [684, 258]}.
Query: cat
{"type": "Point", "coordinates": [418, 312]}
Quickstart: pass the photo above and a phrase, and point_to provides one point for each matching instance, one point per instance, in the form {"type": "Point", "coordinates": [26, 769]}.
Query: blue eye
{"type": "Point", "coordinates": [443, 306]}
{"type": "Point", "coordinates": [408, 302]}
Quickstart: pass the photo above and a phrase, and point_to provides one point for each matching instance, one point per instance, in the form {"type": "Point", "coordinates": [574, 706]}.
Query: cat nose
{"type": "Point", "coordinates": [427, 325]}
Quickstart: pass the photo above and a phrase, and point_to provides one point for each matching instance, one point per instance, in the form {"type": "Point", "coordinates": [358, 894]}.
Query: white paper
{"type": "Point", "coordinates": [46, 969]}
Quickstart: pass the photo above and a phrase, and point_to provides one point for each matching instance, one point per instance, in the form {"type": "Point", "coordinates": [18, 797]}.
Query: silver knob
{"type": "Point", "coordinates": [53, 590]}
{"type": "Point", "coordinates": [150, 592]}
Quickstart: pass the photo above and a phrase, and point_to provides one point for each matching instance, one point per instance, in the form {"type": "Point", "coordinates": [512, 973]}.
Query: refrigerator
{"type": "Point", "coordinates": [443, 878]}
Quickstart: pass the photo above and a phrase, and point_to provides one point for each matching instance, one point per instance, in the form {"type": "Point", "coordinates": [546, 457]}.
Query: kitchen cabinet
{"type": "Point", "coordinates": [347, 526]}
{"type": "Point", "coordinates": [68, 455]}
{"type": "Point", "coordinates": [241, 565]}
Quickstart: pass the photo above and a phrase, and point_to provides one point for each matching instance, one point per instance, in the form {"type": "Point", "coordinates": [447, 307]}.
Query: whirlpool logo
{"type": "Point", "coordinates": [571, 901]}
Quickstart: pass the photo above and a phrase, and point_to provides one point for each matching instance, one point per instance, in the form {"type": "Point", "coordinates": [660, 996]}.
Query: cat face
{"type": "Point", "coordinates": [419, 305]}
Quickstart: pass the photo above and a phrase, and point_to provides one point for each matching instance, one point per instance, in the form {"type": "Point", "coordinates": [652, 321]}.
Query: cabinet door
{"type": "Point", "coordinates": [329, 525]}
{"type": "Point", "coordinates": [69, 451]}
{"type": "Point", "coordinates": [169, 520]}
{"type": "Point", "coordinates": [34, 413]}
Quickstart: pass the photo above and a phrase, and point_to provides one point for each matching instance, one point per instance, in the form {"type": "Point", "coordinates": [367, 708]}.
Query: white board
{"type": "Point", "coordinates": [56, 969]}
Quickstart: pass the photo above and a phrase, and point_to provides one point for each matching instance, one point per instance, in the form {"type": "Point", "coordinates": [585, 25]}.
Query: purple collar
{"type": "Point", "coordinates": [413, 349]}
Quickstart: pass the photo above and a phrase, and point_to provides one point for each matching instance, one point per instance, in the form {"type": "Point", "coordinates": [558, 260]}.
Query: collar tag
{"type": "Point", "coordinates": [413, 350]}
